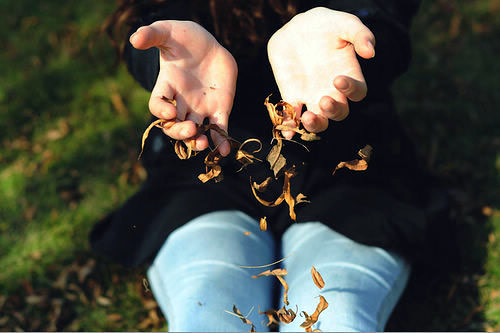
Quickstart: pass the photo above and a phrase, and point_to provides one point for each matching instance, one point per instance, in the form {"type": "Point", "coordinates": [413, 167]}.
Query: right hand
{"type": "Point", "coordinates": [195, 71]}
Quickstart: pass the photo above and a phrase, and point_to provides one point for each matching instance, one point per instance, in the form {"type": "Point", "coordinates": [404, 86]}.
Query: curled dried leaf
{"type": "Point", "coordinates": [287, 194]}
{"type": "Point", "coordinates": [161, 123]}
{"type": "Point", "coordinates": [312, 319]}
{"type": "Point", "coordinates": [301, 198]}
{"type": "Point", "coordinates": [274, 203]}
{"type": "Point", "coordinates": [263, 223]}
{"type": "Point", "coordinates": [271, 316]}
{"type": "Point", "coordinates": [246, 158]}
{"type": "Point", "coordinates": [247, 233]}
{"type": "Point", "coordinates": [286, 315]}
{"type": "Point", "coordinates": [213, 169]}
{"type": "Point", "coordinates": [261, 187]}
{"type": "Point", "coordinates": [276, 119]}
{"type": "Point", "coordinates": [365, 153]}
{"type": "Point", "coordinates": [356, 165]}
{"type": "Point", "coordinates": [184, 150]}
{"type": "Point", "coordinates": [318, 280]}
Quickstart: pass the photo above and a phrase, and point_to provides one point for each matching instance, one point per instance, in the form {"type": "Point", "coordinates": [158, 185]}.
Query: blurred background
{"type": "Point", "coordinates": [70, 128]}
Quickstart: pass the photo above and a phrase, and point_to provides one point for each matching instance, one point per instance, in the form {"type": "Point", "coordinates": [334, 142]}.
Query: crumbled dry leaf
{"type": "Point", "coordinates": [318, 280]}
{"type": "Point", "coordinates": [356, 165]}
{"type": "Point", "coordinates": [287, 194]}
{"type": "Point", "coordinates": [365, 153]}
{"type": "Point", "coordinates": [263, 223]}
{"type": "Point", "coordinates": [312, 319]}
{"type": "Point", "coordinates": [276, 160]}
{"type": "Point", "coordinates": [246, 233]}
{"type": "Point", "coordinates": [213, 169]}
{"type": "Point", "coordinates": [274, 203]}
{"type": "Point", "coordinates": [262, 187]}
{"type": "Point", "coordinates": [246, 158]}
{"type": "Point", "coordinates": [244, 319]}
{"type": "Point", "coordinates": [300, 198]}
{"type": "Point", "coordinates": [271, 316]}
{"type": "Point", "coordinates": [275, 272]}
{"type": "Point", "coordinates": [285, 285]}
{"type": "Point", "coordinates": [286, 315]}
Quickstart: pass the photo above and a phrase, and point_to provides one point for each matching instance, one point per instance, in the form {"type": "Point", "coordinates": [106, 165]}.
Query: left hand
{"type": "Point", "coordinates": [314, 62]}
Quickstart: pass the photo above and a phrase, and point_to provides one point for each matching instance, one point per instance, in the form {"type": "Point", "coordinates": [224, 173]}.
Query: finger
{"type": "Point", "coordinates": [333, 109]}
{"type": "Point", "coordinates": [182, 130]}
{"type": "Point", "coordinates": [159, 104]}
{"type": "Point", "coordinates": [353, 89]}
{"type": "Point", "coordinates": [220, 119]}
{"type": "Point", "coordinates": [155, 34]}
{"type": "Point", "coordinates": [313, 122]}
{"type": "Point", "coordinates": [201, 142]}
{"type": "Point", "coordinates": [355, 32]}
{"type": "Point", "coordinates": [288, 121]}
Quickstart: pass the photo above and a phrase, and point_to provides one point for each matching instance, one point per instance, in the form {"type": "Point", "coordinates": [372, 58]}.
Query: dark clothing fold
{"type": "Point", "coordinates": [382, 206]}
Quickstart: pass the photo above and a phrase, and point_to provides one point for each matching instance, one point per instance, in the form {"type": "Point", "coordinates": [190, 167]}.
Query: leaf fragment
{"type": "Point", "coordinates": [365, 153]}
{"type": "Point", "coordinates": [318, 280]}
{"type": "Point", "coordinates": [271, 316]}
{"type": "Point", "coordinates": [161, 123]}
{"type": "Point", "coordinates": [244, 319]}
{"type": "Point", "coordinates": [274, 203]}
{"type": "Point", "coordinates": [286, 315]}
{"type": "Point", "coordinates": [212, 167]}
{"type": "Point", "coordinates": [247, 233]}
{"type": "Point", "coordinates": [246, 158]}
{"type": "Point", "coordinates": [356, 165]}
{"type": "Point", "coordinates": [312, 319]}
{"type": "Point", "coordinates": [261, 187]}
{"type": "Point", "coordinates": [276, 160]}
{"type": "Point", "coordinates": [275, 272]}
{"type": "Point", "coordinates": [263, 223]}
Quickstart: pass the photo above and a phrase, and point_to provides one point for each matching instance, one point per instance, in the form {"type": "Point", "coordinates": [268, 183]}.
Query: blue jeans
{"type": "Point", "coordinates": [196, 276]}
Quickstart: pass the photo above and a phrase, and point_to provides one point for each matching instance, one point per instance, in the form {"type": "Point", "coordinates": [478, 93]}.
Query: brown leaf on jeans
{"type": "Point", "coordinates": [275, 272]}
{"type": "Point", "coordinates": [318, 280]}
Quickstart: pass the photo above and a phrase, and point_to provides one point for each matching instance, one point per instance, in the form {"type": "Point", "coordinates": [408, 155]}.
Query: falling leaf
{"type": "Point", "coordinates": [275, 272]}
{"type": "Point", "coordinates": [276, 160]}
{"type": "Point", "coordinates": [263, 223]}
{"type": "Point", "coordinates": [213, 169]}
{"type": "Point", "coordinates": [312, 319]}
{"type": "Point", "coordinates": [300, 198]}
{"type": "Point", "coordinates": [357, 165]}
{"type": "Point", "coordinates": [274, 203]}
{"type": "Point", "coordinates": [271, 316]}
{"type": "Point", "coordinates": [365, 153]}
{"type": "Point", "coordinates": [287, 194]}
{"type": "Point", "coordinates": [286, 315]}
{"type": "Point", "coordinates": [262, 187]}
{"type": "Point", "coordinates": [244, 319]}
{"type": "Point", "coordinates": [246, 158]}
{"type": "Point", "coordinates": [318, 280]}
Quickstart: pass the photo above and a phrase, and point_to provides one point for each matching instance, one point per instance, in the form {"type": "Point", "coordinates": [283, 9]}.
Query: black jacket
{"type": "Point", "coordinates": [383, 206]}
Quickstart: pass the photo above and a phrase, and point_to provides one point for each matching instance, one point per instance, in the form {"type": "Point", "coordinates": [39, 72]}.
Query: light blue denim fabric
{"type": "Point", "coordinates": [196, 276]}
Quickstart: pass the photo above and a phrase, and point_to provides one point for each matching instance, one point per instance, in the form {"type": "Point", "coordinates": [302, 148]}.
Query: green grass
{"type": "Point", "coordinates": [68, 157]}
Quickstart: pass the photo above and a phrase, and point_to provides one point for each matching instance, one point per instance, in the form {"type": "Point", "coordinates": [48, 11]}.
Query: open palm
{"type": "Point", "coordinates": [314, 62]}
{"type": "Point", "coordinates": [195, 71]}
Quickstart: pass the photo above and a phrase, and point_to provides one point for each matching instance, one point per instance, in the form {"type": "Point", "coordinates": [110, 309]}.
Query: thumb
{"type": "Point", "coordinates": [355, 32]}
{"type": "Point", "coordinates": [153, 35]}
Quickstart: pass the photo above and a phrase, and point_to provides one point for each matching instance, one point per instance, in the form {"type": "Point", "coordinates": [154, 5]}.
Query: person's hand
{"type": "Point", "coordinates": [313, 58]}
{"type": "Point", "coordinates": [195, 71]}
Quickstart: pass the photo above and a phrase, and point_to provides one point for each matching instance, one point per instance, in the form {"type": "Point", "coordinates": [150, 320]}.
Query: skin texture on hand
{"type": "Point", "coordinates": [313, 58]}
{"type": "Point", "coordinates": [195, 71]}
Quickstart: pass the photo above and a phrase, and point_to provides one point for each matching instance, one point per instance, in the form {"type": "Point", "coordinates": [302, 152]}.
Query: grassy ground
{"type": "Point", "coordinates": [69, 131]}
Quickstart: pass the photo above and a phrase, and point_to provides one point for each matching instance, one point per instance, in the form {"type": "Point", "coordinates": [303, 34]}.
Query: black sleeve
{"type": "Point", "coordinates": [389, 20]}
